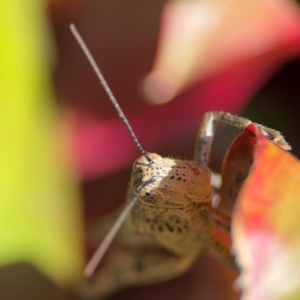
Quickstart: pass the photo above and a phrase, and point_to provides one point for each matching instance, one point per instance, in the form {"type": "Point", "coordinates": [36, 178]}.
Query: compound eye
{"type": "Point", "coordinates": [154, 197]}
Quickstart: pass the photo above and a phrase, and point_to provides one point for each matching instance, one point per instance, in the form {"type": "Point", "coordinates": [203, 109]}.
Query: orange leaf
{"type": "Point", "coordinates": [266, 225]}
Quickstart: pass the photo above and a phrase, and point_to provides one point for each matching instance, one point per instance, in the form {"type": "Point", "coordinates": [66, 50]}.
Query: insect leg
{"type": "Point", "coordinates": [241, 123]}
{"type": "Point", "coordinates": [207, 130]}
{"type": "Point", "coordinates": [221, 253]}
{"type": "Point", "coordinates": [204, 139]}
{"type": "Point", "coordinates": [220, 220]}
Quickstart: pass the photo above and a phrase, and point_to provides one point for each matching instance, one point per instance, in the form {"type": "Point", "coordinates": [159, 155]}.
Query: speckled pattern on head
{"type": "Point", "coordinates": [172, 209]}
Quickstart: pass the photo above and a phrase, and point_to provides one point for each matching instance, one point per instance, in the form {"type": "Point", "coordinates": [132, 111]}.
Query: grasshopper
{"type": "Point", "coordinates": [172, 207]}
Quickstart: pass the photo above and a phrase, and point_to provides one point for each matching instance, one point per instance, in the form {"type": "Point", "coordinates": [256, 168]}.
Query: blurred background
{"type": "Point", "coordinates": [66, 158]}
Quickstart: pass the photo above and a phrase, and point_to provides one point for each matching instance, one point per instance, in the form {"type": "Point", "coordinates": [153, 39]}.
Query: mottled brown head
{"type": "Point", "coordinates": [177, 183]}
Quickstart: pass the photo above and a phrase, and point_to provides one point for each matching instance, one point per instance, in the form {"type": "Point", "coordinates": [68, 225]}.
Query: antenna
{"type": "Point", "coordinates": [98, 255]}
{"type": "Point", "coordinates": [108, 90]}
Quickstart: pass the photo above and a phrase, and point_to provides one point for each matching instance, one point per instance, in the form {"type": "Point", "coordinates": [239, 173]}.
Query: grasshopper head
{"type": "Point", "coordinates": [177, 183]}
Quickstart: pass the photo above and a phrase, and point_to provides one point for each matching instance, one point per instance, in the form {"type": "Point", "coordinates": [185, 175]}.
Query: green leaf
{"type": "Point", "coordinates": [40, 219]}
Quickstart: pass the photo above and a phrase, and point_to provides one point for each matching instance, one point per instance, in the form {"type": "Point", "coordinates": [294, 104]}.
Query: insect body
{"type": "Point", "coordinates": [168, 227]}
{"type": "Point", "coordinates": [172, 213]}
